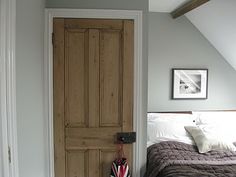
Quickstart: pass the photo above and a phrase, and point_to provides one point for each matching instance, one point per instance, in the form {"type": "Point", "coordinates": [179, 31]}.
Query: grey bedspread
{"type": "Point", "coordinates": [175, 159]}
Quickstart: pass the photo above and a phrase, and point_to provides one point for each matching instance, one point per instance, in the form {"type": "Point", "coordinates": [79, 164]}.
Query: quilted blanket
{"type": "Point", "coordinates": [175, 159]}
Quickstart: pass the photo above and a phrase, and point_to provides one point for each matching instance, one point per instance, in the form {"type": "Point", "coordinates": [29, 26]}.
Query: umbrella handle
{"type": "Point", "coordinates": [120, 150]}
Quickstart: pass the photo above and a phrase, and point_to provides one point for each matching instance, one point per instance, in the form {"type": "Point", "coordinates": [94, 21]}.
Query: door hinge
{"type": "Point", "coordinates": [53, 38]}
{"type": "Point", "coordinates": [9, 154]}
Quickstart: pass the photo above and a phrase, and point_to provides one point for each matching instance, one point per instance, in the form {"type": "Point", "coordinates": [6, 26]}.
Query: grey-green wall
{"type": "Point", "coordinates": [99, 4]}
{"type": "Point", "coordinates": [31, 122]}
{"type": "Point", "coordinates": [178, 44]}
{"type": "Point", "coordinates": [29, 88]}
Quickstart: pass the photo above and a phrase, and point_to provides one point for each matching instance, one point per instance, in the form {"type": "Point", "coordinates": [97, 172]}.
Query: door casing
{"type": "Point", "coordinates": [8, 130]}
{"type": "Point", "coordinates": [138, 74]}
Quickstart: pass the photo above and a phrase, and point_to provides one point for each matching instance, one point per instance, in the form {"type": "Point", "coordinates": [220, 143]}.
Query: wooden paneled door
{"type": "Point", "coordinates": [93, 93]}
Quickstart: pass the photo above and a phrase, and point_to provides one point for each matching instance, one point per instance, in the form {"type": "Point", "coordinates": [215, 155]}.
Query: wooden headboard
{"type": "Point", "coordinates": [190, 112]}
{"type": "Point", "coordinates": [174, 112]}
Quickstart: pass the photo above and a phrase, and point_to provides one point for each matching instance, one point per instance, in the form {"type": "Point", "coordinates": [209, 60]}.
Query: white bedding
{"type": "Point", "coordinates": [170, 127]}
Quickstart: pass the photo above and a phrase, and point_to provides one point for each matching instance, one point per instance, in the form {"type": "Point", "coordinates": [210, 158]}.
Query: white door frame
{"type": "Point", "coordinates": [8, 132]}
{"type": "Point", "coordinates": [48, 70]}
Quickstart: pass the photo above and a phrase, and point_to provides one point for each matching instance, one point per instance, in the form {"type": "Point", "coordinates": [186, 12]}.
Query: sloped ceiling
{"type": "Point", "coordinates": [216, 20]}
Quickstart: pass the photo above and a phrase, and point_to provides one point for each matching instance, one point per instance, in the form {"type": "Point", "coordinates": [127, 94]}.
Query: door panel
{"type": "Point", "coordinates": [111, 78]}
{"type": "Point", "coordinates": [92, 138]}
{"type": "Point", "coordinates": [106, 157]}
{"type": "Point", "coordinates": [77, 163]}
{"type": "Point", "coordinates": [76, 78]}
{"type": "Point", "coordinates": [94, 24]}
{"type": "Point", "coordinates": [93, 94]}
{"type": "Point", "coordinates": [94, 76]}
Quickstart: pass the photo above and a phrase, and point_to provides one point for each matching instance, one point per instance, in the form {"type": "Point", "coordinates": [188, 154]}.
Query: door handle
{"type": "Point", "coordinates": [126, 137]}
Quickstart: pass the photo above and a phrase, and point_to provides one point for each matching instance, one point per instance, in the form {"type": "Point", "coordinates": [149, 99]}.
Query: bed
{"type": "Point", "coordinates": [171, 154]}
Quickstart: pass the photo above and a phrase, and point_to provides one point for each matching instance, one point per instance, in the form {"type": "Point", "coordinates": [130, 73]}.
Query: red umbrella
{"type": "Point", "coordinates": [120, 166]}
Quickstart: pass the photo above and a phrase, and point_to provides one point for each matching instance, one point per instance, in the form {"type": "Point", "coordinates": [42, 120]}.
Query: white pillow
{"type": "Point", "coordinates": [209, 138]}
{"type": "Point", "coordinates": [225, 121]}
{"type": "Point", "coordinates": [171, 116]}
{"type": "Point", "coordinates": [215, 117]}
{"type": "Point", "coordinates": [169, 127]}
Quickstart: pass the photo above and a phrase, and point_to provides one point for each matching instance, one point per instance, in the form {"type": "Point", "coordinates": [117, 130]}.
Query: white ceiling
{"type": "Point", "coordinates": [216, 20]}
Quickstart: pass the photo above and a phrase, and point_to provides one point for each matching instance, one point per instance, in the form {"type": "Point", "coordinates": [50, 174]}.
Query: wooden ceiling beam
{"type": "Point", "coordinates": [193, 4]}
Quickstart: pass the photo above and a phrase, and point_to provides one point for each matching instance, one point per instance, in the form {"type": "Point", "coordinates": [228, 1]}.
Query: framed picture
{"type": "Point", "coordinates": [189, 83]}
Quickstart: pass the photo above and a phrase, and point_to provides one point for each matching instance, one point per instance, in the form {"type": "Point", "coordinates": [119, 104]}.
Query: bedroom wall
{"type": "Point", "coordinates": [29, 88]}
{"type": "Point", "coordinates": [178, 44]}
{"type": "Point", "coordinates": [31, 125]}
{"type": "Point", "coordinates": [1, 154]}
{"type": "Point", "coordinates": [101, 4]}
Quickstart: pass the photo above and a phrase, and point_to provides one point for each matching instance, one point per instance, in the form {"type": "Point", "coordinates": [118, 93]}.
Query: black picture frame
{"type": "Point", "coordinates": [189, 83]}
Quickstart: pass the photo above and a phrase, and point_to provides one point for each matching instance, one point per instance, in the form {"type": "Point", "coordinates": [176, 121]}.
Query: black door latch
{"type": "Point", "coordinates": [126, 137]}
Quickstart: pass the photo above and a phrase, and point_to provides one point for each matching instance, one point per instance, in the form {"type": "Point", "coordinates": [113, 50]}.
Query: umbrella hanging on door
{"type": "Point", "coordinates": [120, 166]}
